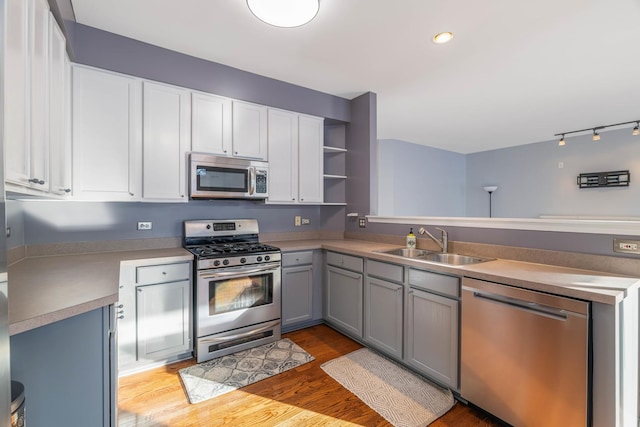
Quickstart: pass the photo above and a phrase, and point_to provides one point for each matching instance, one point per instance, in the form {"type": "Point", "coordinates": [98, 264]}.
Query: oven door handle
{"type": "Point", "coordinates": [261, 328]}
{"type": "Point", "coordinates": [227, 274]}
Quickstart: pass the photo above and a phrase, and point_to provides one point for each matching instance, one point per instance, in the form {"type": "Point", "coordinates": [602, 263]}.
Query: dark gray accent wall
{"type": "Point", "coordinates": [49, 221]}
{"type": "Point", "coordinates": [361, 138]}
{"type": "Point", "coordinates": [109, 51]}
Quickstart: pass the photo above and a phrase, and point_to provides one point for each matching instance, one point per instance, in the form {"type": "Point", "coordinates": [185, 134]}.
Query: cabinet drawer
{"type": "Point", "coordinates": [345, 261]}
{"type": "Point", "coordinates": [163, 273]}
{"type": "Point", "coordinates": [434, 282]}
{"type": "Point", "coordinates": [392, 272]}
{"type": "Point", "coordinates": [292, 259]}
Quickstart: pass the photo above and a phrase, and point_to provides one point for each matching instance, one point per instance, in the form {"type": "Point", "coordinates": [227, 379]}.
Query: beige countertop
{"type": "Point", "coordinates": [606, 288]}
{"type": "Point", "coordinates": [46, 289]}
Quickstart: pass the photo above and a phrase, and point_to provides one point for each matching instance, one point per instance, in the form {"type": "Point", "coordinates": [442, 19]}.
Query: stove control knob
{"type": "Point", "coordinates": [216, 263]}
{"type": "Point", "coordinates": [267, 258]}
{"type": "Point", "coordinates": [225, 262]}
{"type": "Point", "coordinates": [243, 260]}
{"type": "Point", "coordinates": [208, 226]}
{"type": "Point", "coordinates": [259, 259]}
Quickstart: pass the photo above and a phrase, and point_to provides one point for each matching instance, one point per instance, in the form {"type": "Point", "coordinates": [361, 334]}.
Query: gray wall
{"type": "Point", "coordinates": [531, 183]}
{"type": "Point", "coordinates": [110, 51]}
{"type": "Point", "coordinates": [414, 180]}
{"type": "Point", "coordinates": [68, 221]}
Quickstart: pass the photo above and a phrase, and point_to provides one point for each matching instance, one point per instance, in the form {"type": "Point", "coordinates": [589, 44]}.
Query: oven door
{"type": "Point", "coordinates": [237, 297]}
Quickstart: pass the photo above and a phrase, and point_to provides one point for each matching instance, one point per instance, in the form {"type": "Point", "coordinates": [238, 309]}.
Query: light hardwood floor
{"type": "Point", "coordinates": [304, 396]}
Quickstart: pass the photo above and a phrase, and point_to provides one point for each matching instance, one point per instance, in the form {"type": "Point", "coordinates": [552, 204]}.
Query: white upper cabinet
{"type": "Point", "coordinates": [59, 112]}
{"type": "Point", "coordinates": [107, 135]}
{"type": "Point", "coordinates": [283, 156]}
{"type": "Point", "coordinates": [166, 142]}
{"type": "Point", "coordinates": [249, 130]}
{"type": "Point", "coordinates": [211, 124]}
{"type": "Point", "coordinates": [310, 159]}
{"type": "Point", "coordinates": [295, 158]}
{"type": "Point", "coordinates": [27, 93]}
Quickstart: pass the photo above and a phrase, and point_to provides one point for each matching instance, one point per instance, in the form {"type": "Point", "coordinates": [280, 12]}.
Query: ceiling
{"type": "Point", "coordinates": [516, 72]}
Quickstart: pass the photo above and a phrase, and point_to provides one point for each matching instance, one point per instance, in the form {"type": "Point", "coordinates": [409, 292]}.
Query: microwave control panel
{"type": "Point", "coordinates": [261, 182]}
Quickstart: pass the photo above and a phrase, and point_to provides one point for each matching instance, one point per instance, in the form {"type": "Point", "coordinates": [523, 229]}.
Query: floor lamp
{"type": "Point", "coordinates": [490, 189]}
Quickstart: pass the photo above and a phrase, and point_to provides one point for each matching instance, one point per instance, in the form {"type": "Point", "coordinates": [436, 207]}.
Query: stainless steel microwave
{"type": "Point", "coordinates": [216, 177]}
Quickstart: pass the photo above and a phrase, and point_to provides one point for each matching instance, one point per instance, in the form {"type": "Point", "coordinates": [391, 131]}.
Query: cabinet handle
{"type": "Point", "coordinates": [130, 193]}
{"type": "Point", "coordinates": [37, 181]}
{"type": "Point", "coordinates": [139, 289]}
{"type": "Point", "coordinates": [66, 190]}
{"type": "Point", "coordinates": [120, 317]}
{"type": "Point", "coordinates": [120, 305]}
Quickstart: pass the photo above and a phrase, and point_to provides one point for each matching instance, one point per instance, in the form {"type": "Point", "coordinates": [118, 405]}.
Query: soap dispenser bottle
{"type": "Point", "coordinates": [411, 239]}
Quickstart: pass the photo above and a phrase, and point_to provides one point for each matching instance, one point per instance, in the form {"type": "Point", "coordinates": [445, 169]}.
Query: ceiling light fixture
{"type": "Point", "coordinates": [444, 37]}
{"type": "Point", "coordinates": [284, 13]}
{"type": "Point", "coordinates": [596, 135]}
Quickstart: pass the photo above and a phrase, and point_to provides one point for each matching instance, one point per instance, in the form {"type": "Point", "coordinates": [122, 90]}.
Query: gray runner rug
{"type": "Point", "coordinates": [398, 395]}
{"type": "Point", "coordinates": [227, 373]}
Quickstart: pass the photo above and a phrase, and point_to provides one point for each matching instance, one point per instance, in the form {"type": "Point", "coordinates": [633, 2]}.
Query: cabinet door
{"type": "Point", "coordinates": [59, 90]}
{"type": "Point", "coordinates": [163, 320]}
{"type": "Point", "coordinates": [166, 136]}
{"type": "Point", "coordinates": [107, 135]}
{"type": "Point", "coordinates": [39, 103]}
{"type": "Point", "coordinates": [297, 294]}
{"type": "Point", "coordinates": [432, 339]}
{"type": "Point", "coordinates": [16, 119]}
{"type": "Point", "coordinates": [249, 130]}
{"type": "Point", "coordinates": [283, 156]}
{"type": "Point", "coordinates": [344, 300]}
{"type": "Point", "coordinates": [211, 124]}
{"type": "Point", "coordinates": [383, 315]}
{"type": "Point", "coordinates": [310, 159]}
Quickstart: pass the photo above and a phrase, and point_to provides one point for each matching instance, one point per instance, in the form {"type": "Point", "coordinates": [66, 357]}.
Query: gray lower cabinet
{"type": "Point", "coordinates": [433, 326]}
{"type": "Point", "coordinates": [154, 314]}
{"type": "Point", "coordinates": [344, 293]}
{"type": "Point", "coordinates": [68, 370]}
{"type": "Point", "coordinates": [384, 307]}
{"type": "Point", "coordinates": [297, 287]}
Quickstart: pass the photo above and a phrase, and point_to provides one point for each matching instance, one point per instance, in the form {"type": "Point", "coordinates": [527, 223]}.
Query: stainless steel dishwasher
{"type": "Point", "coordinates": [525, 355]}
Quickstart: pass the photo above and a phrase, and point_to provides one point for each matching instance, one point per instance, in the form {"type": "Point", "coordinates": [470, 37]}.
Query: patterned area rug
{"type": "Point", "coordinates": [227, 373]}
{"type": "Point", "coordinates": [400, 396]}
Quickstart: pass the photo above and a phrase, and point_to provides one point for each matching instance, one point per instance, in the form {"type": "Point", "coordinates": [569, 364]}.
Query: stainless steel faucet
{"type": "Point", "coordinates": [444, 243]}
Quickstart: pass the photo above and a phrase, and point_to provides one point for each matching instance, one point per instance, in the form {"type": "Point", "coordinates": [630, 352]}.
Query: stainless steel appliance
{"type": "Point", "coordinates": [5, 376]}
{"type": "Point", "coordinates": [525, 355]}
{"type": "Point", "coordinates": [215, 177]}
{"type": "Point", "coordinates": [237, 289]}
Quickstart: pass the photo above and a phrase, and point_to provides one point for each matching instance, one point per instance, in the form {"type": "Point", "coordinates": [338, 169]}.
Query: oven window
{"type": "Point", "coordinates": [240, 293]}
{"type": "Point", "coordinates": [222, 179]}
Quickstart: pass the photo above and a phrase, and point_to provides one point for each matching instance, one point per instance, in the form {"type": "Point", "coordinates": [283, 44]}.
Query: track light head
{"type": "Point", "coordinates": [636, 130]}
{"type": "Point", "coordinates": [561, 142]}
{"type": "Point", "coordinates": [596, 136]}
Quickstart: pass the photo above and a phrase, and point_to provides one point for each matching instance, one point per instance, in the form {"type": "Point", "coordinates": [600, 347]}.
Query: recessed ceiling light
{"type": "Point", "coordinates": [284, 13]}
{"type": "Point", "coordinates": [443, 37]}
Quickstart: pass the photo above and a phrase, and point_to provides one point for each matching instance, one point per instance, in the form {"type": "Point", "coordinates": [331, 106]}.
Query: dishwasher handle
{"type": "Point", "coordinates": [528, 306]}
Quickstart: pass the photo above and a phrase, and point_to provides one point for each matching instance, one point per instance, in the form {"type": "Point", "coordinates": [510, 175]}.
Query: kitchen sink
{"type": "Point", "coordinates": [435, 257]}
{"type": "Point", "coordinates": [407, 252]}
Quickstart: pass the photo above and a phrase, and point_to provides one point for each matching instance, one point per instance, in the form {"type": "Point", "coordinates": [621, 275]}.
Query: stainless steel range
{"type": "Point", "coordinates": [237, 294]}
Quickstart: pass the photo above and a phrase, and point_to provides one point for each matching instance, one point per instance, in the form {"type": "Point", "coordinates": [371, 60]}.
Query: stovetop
{"type": "Point", "coordinates": [223, 250]}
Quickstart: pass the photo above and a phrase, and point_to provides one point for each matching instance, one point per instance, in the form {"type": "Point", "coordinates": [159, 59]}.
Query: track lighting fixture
{"type": "Point", "coordinates": [596, 135]}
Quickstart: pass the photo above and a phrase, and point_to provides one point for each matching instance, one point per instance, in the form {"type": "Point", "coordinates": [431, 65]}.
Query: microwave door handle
{"type": "Point", "coordinates": [252, 180]}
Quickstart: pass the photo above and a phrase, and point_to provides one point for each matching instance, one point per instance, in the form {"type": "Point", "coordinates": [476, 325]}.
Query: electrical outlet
{"type": "Point", "coordinates": [297, 220]}
{"type": "Point", "coordinates": [145, 225]}
{"type": "Point", "coordinates": [626, 246]}
{"type": "Point", "coordinates": [362, 222]}
{"type": "Point", "coordinates": [306, 221]}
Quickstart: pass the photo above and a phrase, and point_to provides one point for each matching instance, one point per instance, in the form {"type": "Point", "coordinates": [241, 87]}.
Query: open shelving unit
{"type": "Point", "coordinates": [334, 165]}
